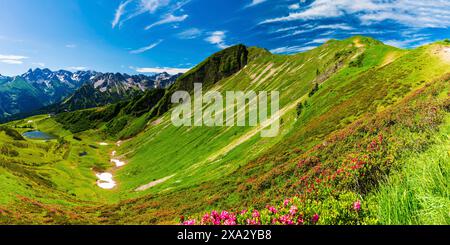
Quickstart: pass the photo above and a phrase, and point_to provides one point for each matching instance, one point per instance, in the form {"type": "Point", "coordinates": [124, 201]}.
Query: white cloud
{"type": "Point", "coordinates": [119, 12]}
{"type": "Point", "coordinates": [179, 5]}
{"type": "Point", "coordinates": [12, 59]}
{"type": "Point", "coordinates": [40, 64]}
{"type": "Point", "coordinates": [71, 45]}
{"type": "Point", "coordinates": [76, 68]}
{"type": "Point", "coordinates": [12, 62]}
{"type": "Point", "coordinates": [343, 27]}
{"type": "Point", "coordinates": [170, 18]}
{"type": "Point", "coordinates": [294, 6]}
{"type": "Point", "coordinates": [254, 3]}
{"type": "Point", "coordinates": [191, 33]}
{"type": "Point", "coordinates": [291, 49]}
{"type": "Point", "coordinates": [318, 41]}
{"type": "Point", "coordinates": [169, 70]}
{"type": "Point", "coordinates": [407, 43]}
{"type": "Point", "coordinates": [431, 13]}
{"type": "Point", "coordinates": [146, 48]}
{"type": "Point", "coordinates": [141, 7]}
{"type": "Point", "coordinates": [217, 38]}
{"type": "Point", "coordinates": [152, 5]}
{"type": "Point", "coordinates": [286, 29]}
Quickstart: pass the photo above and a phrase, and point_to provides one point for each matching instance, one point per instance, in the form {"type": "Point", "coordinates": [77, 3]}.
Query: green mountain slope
{"type": "Point", "coordinates": [352, 112]}
{"type": "Point", "coordinates": [17, 95]}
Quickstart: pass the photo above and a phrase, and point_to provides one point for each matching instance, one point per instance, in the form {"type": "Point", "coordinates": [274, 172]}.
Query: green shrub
{"type": "Point", "coordinates": [11, 133]}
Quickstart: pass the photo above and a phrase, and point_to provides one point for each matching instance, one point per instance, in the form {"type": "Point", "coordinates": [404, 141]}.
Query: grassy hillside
{"type": "Point", "coordinates": [357, 117]}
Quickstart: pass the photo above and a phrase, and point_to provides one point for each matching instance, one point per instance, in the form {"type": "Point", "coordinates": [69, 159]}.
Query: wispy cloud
{"type": "Point", "coordinates": [146, 48]}
{"type": "Point", "coordinates": [152, 5]}
{"type": "Point", "coordinates": [170, 18]}
{"type": "Point", "coordinates": [119, 12]}
{"type": "Point", "coordinates": [294, 6]}
{"type": "Point", "coordinates": [191, 33]}
{"type": "Point", "coordinates": [40, 64]}
{"type": "Point", "coordinates": [71, 45]}
{"type": "Point", "coordinates": [285, 29]}
{"type": "Point", "coordinates": [140, 7]}
{"type": "Point", "coordinates": [422, 14]}
{"type": "Point", "coordinates": [307, 29]}
{"type": "Point", "coordinates": [291, 49]}
{"type": "Point", "coordinates": [12, 59]}
{"type": "Point", "coordinates": [254, 3]}
{"type": "Point", "coordinates": [179, 5]}
{"type": "Point", "coordinates": [169, 70]}
{"type": "Point", "coordinates": [217, 38]}
{"type": "Point", "coordinates": [318, 41]}
{"type": "Point", "coordinates": [76, 68]}
{"type": "Point", "coordinates": [407, 43]}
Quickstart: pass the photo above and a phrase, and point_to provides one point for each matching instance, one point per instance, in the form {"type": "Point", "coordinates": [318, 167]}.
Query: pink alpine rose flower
{"type": "Point", "coordinates": [293, 210]}
{"type": "Point", "coordinates": [189, 222]}
{"type": "Point", "coordinates": [357, 206]}
{"type": "Point", "coordinates": [315, 218]}
{"type": "Point", "coordinates": [286, 202]}
{"type": "Point", "coordinates": [272, 209]}
{"type": "Point", "coordinates": [255, 214]}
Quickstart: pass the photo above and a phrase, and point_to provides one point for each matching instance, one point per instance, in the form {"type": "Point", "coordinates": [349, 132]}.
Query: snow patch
{"type": "Point", "coordinates": [105, 181]}
{"type": "Point", "coordinates": [99, 83]}
{"type": "Point", "coordinates": [118, 163]}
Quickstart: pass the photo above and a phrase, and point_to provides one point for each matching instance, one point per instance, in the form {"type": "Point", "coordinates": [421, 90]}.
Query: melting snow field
{"type": "Point", "coordinates": [118, 163]}
{"type": "Point", "coordinates": [105, 181]}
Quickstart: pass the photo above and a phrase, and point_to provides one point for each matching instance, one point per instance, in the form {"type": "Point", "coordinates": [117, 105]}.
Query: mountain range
{"type": "Point", "coordinates": [56, 91]}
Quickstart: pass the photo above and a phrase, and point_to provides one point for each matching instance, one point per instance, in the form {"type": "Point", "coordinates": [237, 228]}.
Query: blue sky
{"type": "Point", "coordinates": [142, 36]}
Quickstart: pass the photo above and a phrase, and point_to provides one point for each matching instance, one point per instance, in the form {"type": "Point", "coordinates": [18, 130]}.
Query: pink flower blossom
{"type": "Point", "coordinates": [224, 215]}
{"type": "Point", "coordinates": [189, 222]}
{"type": "Point", "coordinates": [255, 214]}
{"type": "Point", "coordinates": [357, 206]}
{"type": "Point", "coordinates": [272, 209]}
{"type": "Point", "coordinates": [286, 219]}
{"type": "Point", "coordinates": [315, 218]}
{"type": "Point", "coordinates": [214, 214]}
{"type": "Point", "coordinates": [287, 201]}
{"type": "Point", "coordinates": [231, 220]}
{"type": "Point", "coordinates": [251, 222]}
{"type": "Point", "coordinates": [293, 210]}
{"type": "Point", "coordinates": [206, 219]}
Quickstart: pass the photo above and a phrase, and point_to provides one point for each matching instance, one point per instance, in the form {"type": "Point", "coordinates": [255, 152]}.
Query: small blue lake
{"type": "Point", "coordinates": [38, 135]}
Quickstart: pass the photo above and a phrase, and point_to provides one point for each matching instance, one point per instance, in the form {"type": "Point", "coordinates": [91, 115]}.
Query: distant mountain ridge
{"type": "Point", "coordinates": [111, 88]}
{"type": "Point", "coordinates": [66, 90]}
